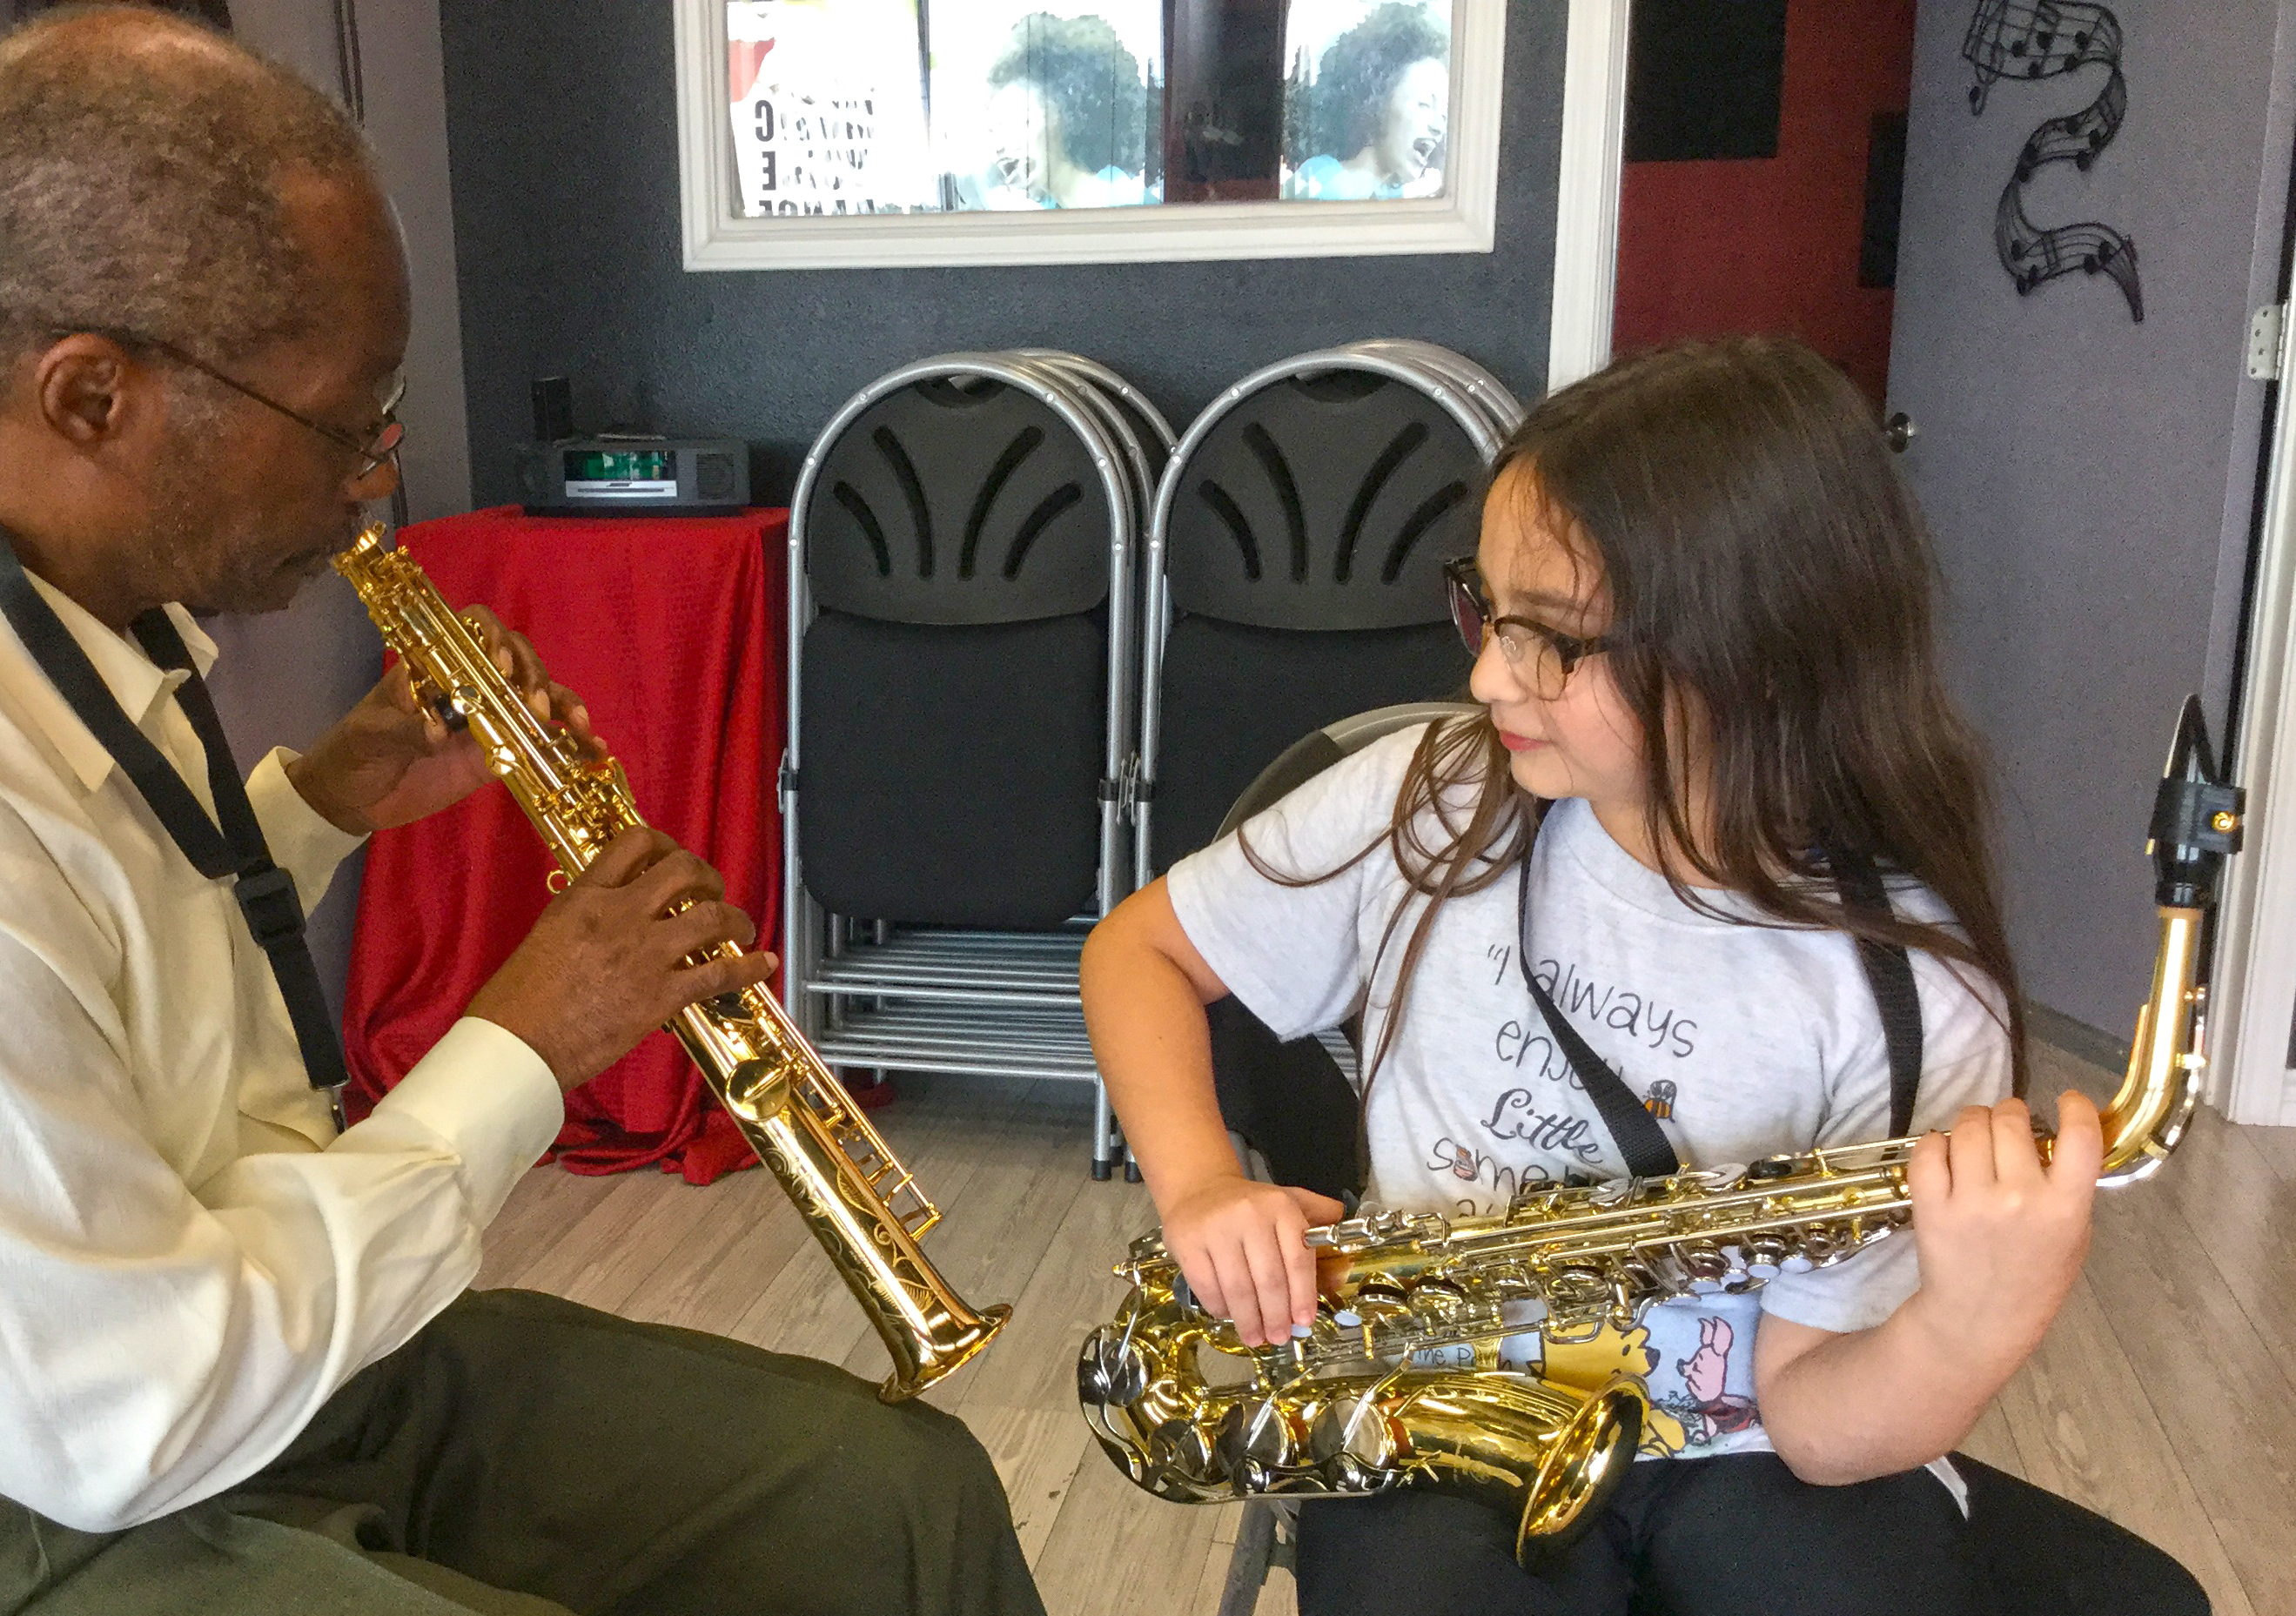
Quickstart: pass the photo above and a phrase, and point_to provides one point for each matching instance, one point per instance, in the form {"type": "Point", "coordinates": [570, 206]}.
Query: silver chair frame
{"type": "Point", "coordinates": [974, 1001]}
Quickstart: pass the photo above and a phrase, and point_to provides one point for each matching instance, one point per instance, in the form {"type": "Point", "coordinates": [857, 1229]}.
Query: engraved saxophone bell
{"type": "Point", "coordinates": [857, 1200]}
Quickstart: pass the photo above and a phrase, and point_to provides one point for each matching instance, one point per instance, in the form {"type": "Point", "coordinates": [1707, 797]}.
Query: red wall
{"type": "Point", "coordinates": [1772, 244]}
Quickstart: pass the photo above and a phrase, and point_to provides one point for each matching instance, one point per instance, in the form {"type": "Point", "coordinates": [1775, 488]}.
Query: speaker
{"type": "Point", "coordinates": [553, 409]}
{"type": "Point", "coordinates": [634, 476]}
{"type": "Point", "coordinates": [715, 477]}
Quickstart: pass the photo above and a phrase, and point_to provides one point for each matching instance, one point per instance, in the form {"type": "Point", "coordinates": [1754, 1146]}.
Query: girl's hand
{"type": "Point", "coordinates": [1242, 1245]}
{"type": "Point", "coordinates": [2001, 1236]}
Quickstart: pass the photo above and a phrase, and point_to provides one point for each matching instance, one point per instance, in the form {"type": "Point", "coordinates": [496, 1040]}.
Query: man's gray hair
{"type": "Point", "coordinates": [140, 162]}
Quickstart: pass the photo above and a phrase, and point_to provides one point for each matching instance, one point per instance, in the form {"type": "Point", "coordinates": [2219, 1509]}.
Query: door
{"type": "Point", "coordinates": [2095, 200]}
{"type": "Point", "coordinates": [1759, 191]}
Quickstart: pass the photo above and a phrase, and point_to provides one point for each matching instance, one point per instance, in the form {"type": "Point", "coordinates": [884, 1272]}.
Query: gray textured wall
{"type": "Point", "coordinates": [282, 679]}
{"type": "Point", "coordinates": [2089, 480]}
{"type": "Point", "coordinates": [561, 120]}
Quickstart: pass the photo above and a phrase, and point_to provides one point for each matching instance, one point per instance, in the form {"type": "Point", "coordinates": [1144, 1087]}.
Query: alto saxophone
{"type": "Point", "coordinates": [1343, 1410]}
{"type": "Point", "coordinates": [853, 1192]}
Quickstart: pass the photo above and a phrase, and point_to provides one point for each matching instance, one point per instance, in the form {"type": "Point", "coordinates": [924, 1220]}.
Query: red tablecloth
{"type": "Point", "coordinates": [671, 630]}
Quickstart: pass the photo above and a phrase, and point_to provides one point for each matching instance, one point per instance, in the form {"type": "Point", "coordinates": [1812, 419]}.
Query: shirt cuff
{"type": "Point", "coordinates": [303, 842]}
{"type": "Point", "coordinates": [483, 1089]}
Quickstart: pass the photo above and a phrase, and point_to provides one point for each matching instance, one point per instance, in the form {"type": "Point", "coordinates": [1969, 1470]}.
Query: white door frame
{"type": "Point", "coordinates": [2255, 971]}
{"type": "Point", "coordinates": [1586, 193]}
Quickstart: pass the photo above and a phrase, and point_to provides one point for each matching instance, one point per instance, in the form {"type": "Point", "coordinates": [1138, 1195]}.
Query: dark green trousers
{"type": "Point", "coordinates": [526, 1456]}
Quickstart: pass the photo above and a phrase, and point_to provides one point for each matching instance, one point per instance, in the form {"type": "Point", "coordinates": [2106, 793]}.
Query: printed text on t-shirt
{"type": "Point", "coordinates": [1616, 1008]}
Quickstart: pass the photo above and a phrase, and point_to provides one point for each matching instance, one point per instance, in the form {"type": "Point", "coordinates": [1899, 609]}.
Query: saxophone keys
{"type": "Point", "coordinates": [1354, 1440]}
{"type": "Point", "coordinates": [1258, 1437]}
{"type": "Point", "coordinates": [1110, 1370]}
{"type": "Point", "coordinates": [1179, 1449]}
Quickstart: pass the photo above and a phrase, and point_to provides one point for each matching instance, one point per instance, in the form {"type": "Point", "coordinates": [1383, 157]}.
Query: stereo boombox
{"type": "Point", "coordinates": [634, 477]}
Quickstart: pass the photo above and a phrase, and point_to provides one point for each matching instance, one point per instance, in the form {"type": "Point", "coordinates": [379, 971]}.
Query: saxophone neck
{"type": "Point", "coordinates": [2197, 817]}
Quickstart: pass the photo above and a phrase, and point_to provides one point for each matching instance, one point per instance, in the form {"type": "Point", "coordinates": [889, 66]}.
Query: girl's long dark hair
{"type": "Point", "coordinates": [1766, 570]}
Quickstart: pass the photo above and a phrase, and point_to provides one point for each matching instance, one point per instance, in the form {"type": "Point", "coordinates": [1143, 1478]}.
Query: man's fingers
{"type": "Point", "coordinates": [727, 974]}
{"type": "Point", "coordinates": [677, 877]}
{"type": "Point", "coordinates": [399, 689]}
{"type": "Point", "coordinates": [2078, 1154]}
{"type": "Point", "coordinates": [566, 708]}
{"type": "Point", "coordinates": [624, 858]}
{"type": "Point", "coordinates": [704, 926]}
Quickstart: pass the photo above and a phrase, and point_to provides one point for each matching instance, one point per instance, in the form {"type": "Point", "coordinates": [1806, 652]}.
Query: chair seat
{"type": "Point", "coordinates": [958, 769]}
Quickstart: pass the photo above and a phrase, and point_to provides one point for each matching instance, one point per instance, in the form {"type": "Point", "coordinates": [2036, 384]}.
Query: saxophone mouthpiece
{"type": "Point", "coordinates": [2197, 817]}
{"type": "Point", "coordinates": [369, 540]}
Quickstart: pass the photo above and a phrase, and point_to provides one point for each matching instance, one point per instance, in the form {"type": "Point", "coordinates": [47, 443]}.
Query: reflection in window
{"type": "Point", "coordinates": [1038, 106]}
{"type": "Point", "coordinates": [875, 106]}
{"type": "Point", "coordinates": [1367, 100]}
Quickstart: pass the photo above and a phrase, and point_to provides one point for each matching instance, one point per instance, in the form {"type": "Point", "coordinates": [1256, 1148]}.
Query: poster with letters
{"type": "Point", "coordinates": [828, 106]}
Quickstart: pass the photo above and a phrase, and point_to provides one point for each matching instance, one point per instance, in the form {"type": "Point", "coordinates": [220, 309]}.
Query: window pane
{"type": "Point", "coordinates": [1368, 98]}
{"type": "Point", "coordinates": [828, 106]}
{"type": "Point", "coordinates": [1048, 106]}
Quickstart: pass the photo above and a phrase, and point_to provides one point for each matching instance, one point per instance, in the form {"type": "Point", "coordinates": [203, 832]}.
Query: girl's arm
{"type": "Point", "coordinates": [1240, 1243]}
{"type": "Point", "coordinates": [2000, 1239]}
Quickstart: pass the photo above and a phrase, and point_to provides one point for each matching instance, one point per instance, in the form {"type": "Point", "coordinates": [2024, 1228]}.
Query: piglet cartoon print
{"type": "Point", "coordinates": [1716, 1411]}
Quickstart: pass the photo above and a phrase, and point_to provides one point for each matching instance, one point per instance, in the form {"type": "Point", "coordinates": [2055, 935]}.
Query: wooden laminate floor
{"type": "Point", "coordinates": [2164, 1398]}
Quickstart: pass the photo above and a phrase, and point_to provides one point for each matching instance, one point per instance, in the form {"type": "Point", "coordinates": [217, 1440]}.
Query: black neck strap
{"type": "Point", "coordinates": [236, 849]}
{"type": "Point", "coordinates": [1641, 1141]}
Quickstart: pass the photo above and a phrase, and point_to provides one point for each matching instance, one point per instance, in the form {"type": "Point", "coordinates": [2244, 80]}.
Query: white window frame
{"type": "Point", "coordinates": [2254, 989]}
{"type": "Point", "coordinates": [1463, 220]}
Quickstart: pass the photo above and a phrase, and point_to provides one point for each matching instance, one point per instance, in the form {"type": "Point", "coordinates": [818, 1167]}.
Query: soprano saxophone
{"type": "Point", "coordinates": [863, 1206]}
{"type": "Point", "coordinates": [1341, 1410]}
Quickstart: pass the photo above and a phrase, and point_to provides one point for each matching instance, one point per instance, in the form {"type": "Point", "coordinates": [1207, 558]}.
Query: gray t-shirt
{"type": "Point", "coordinates": [1744, 1040]}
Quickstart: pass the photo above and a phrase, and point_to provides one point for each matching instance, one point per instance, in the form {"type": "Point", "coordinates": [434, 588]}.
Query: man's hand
{"type": "Point", "coordinates": [392, 760]}
{"type": "Point", "coordinates": [605, 964]}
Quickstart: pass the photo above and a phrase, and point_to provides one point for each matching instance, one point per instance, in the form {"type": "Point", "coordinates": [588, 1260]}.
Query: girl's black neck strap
{"type": "Point", "coordinates": [1641, 1141]}
{"type": "Point", "coordinates": [236, 849]}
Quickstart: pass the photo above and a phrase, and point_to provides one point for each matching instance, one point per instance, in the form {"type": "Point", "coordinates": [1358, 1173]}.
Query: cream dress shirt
{"type": "Point", "coordinates": [191, 1261]}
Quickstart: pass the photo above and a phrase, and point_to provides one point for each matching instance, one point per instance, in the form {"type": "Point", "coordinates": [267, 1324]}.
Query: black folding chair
{"type": "Point", "coordinates": [961, 560]}
{"type": "Point", "coordinates": [1293, 572]}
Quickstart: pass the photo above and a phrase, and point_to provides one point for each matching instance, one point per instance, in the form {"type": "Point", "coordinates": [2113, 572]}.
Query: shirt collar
{"type": "Point", "coordinates": [135, 682]}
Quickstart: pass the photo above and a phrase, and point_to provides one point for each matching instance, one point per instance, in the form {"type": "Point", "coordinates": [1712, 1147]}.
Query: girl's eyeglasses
{"type": "Point", "coordinates": [380, 444]}
{"type": "Point", "coordinates": [1544, 659]}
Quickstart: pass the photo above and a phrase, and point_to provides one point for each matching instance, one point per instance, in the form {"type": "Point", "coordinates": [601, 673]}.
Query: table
{"type": "Point", "coordinates": [671, 630]}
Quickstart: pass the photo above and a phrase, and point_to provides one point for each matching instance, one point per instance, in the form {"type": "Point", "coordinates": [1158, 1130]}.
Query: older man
{"type": "Point", "coordinates": [238, 1370]}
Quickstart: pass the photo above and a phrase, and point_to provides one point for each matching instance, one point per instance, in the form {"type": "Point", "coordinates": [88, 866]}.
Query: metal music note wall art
{"type": "Point", "coordinates": [2014, 40]}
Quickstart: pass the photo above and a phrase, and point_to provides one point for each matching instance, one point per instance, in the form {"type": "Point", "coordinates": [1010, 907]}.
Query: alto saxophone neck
{"type": "Point", "coordinates": [2197, 826]}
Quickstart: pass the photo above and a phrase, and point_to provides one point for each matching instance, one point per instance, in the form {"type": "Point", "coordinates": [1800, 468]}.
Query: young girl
{"type": "Point", "coordinates": [1701, 609]}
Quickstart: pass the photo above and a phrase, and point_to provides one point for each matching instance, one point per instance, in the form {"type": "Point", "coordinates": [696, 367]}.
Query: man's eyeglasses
{"type": "Point", "coordinates": [380, 444]}
{"type": "Point", "coordinates": [1544, 659]}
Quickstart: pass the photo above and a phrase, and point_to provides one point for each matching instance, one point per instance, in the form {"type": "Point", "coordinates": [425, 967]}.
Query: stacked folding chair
{"type": "Point", "coordinates": [963, 544]}
{"type": "Point", "coordinates": [1294, 562]}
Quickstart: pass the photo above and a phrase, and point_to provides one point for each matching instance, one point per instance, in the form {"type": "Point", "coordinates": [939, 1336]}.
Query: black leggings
{"type": "Point", "coordinates": [1686, 1536]}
